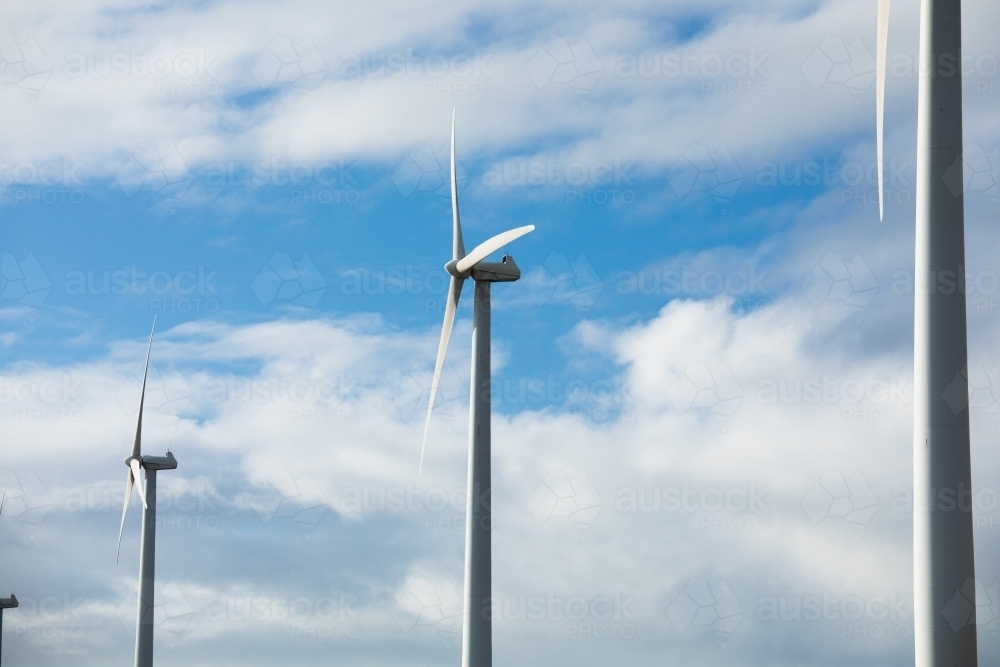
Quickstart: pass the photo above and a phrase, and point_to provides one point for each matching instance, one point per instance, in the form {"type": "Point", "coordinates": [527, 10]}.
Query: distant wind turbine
{"type": "Point", "coordinates": [943, 558]}
{"type": "Point", "coordinates": [477, 631]}
{"type": "Point", "coordinates": [147, 554]}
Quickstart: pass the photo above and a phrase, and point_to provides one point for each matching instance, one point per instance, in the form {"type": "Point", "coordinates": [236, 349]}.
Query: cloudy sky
{"type": "Point", "coordinates": [702, 383]}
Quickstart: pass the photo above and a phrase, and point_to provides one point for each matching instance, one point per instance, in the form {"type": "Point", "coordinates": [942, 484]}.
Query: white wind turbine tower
{"type": "Point", "coordinates": [477, 631]}
{"type": "Point", "coordinates": [147, 553]}
{"type": "Point", "coordinates": [5, 603]}
{"type": "Point", "coordinates": [943, 559]}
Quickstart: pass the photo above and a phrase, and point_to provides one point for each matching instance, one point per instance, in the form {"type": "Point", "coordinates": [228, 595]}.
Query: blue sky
{"type": "Point", "coordinates": [702, 382]}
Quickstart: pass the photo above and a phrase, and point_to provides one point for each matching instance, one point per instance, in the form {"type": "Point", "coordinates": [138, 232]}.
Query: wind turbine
{"type": "Point", "coordinates": [5, 603]}
{"type": "Point", "coordinates": [477, 631]}
{"type": "Point", "coordinates": [147, 553]}
{"type": "Point", "coordinates": [943, 558]}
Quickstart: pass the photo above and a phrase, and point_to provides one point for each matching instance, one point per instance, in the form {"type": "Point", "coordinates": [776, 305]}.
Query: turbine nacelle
{"type": "Point", "coordinates": [167, 462]}
{"type": "Point", "coordinates": [504, 271]}
{"type": "Point", "coordinates": [9, 603]}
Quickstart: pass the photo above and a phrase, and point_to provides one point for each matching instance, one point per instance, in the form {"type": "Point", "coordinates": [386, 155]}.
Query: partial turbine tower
{"type": "Point", "coordinates": [5, 603]}
{"type": "Point", "coordinates": [943, 554]}
{"type": "Point", "coordinates": [477, 631]}
{"type": "Point", "coordinates": [147, 553]}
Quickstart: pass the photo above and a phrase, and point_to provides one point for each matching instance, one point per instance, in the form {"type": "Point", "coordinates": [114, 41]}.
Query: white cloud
{"type": "Point", "coordinates": [264, 449]}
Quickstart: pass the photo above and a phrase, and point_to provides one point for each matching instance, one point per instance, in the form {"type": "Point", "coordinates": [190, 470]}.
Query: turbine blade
{"type": "Point", "coordinates": [487, 248]}
{"type": "Point", "coordinates": [880, 57]}
{"type": "Point", "coordinates": [454, 293]}
{"type": "Point", "coordinates": [128, 496]}
{"type": "Point", "coordinates": [458, 244]}
{"type": "Point", "coordinates": [3, 500]}
{"type": "Point", "coordinates": [137, 443]}
{"type": "Point", "coordinates": [135, 467]}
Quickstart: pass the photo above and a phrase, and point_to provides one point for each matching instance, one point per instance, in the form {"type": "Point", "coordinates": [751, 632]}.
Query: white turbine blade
{"type": "Point", "coordinates": [487, 248]}
{"type": "Point", "coordinates": [454, 293]}
{"type": "Point", "coordinates": [458, 244]}
{"type": "Point", "coordinates": [128, 496]}
{"type": "Point", "coordinates": [137, 443]}
{"type": "Point", "coordinates": [880, 58]}
{"type": "Point", "coordinates": [3, 500]}
{"type": "Point", "coordinates": [135, 468]}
